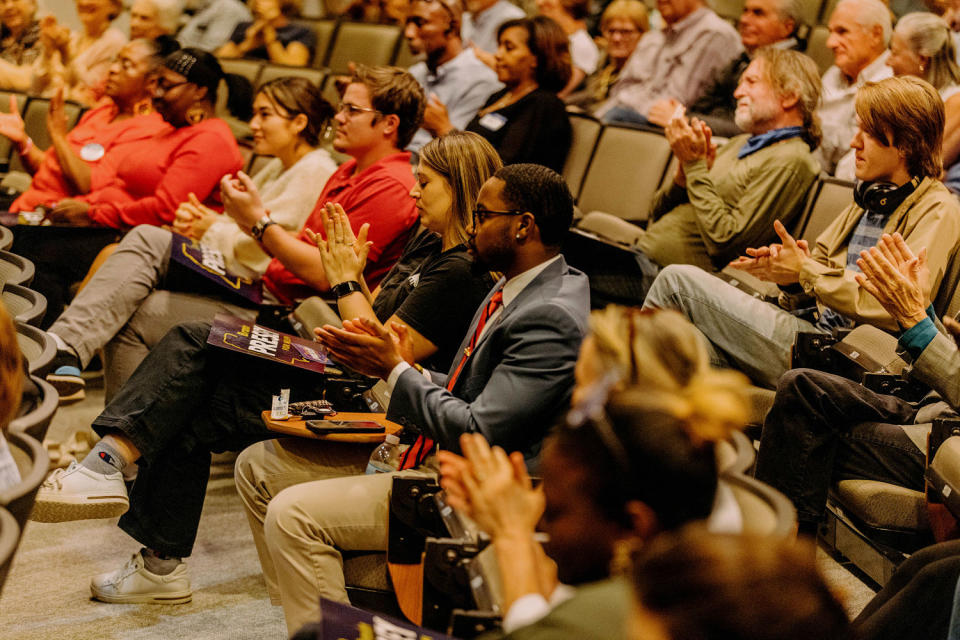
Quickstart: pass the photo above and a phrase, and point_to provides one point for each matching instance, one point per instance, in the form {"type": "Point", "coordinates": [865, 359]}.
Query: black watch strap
{"type": "Point", "coordinates": [346, 288]}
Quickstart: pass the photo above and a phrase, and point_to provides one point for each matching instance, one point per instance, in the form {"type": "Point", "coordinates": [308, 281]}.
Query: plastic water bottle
{"type": "Point", "coordinates": [386, 457]}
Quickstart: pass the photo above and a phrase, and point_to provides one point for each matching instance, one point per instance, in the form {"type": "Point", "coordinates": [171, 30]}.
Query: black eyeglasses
{"type": "Point", "coordinates": [480, 214]}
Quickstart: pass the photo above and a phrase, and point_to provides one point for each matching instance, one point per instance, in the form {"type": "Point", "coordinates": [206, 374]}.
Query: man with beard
{"type": "Point", "coordinates": [724, 200]}
{"type": "Point", "coordinates": [308, 501]}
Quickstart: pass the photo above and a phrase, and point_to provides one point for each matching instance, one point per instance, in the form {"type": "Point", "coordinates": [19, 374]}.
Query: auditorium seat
{"type": "Point", "coordinates": [274, 71]}
{"type": "Point", "coordinates": [37, 347]}
{"type": "Point", "coordinates": [360, 42]}
{"type": "Point", "coordinates": [831, 196]}
{"type": "Point", "coordinates": [766, 511]}
{"type": "Point", "coordinates": [827, 10]}
{"type": "Point", "coordinates": [6, 237]}
{"type": "Point", "coordinates": [15, 269]}
{"type": "Point", "coordinates": [36, 421]}
{"type": "Point", "coordinates": [23, 304]}
{"type": "Point", "coordinates": [625, 173]}
{"type": "Point", "coordinates": [729, 9]}
{"type": "Point", "coordinates": [324, 30]}
{"type": "Point", "coordinates": [817, 48]}
{"type": "Point", "coordinates": [586, 131]}
{"type": "Point", "coordinates": [35, 123]}
{"type": "Point", "coordinates": [736, 454]}
{"type": "Point", "coordinates": [610, 227]}
{"type": "Point", "coordinates": [246, 67]}
{"type": "Point", "coordinates": [9, 541]}
{"type": "Point", "coordinates": [405, 58]}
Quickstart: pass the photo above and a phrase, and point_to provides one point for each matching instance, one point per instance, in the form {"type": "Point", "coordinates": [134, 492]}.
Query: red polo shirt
{"type": "Point", "coordinates": [380, 195]}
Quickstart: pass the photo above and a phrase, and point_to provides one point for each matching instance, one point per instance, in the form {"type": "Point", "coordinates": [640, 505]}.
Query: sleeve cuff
{"type": "Point", "coordinates": [915, 339]}
{"type": "Point", "coordinates": [397, 371]}
{"type": "Point", "coordinates": [526, 610]}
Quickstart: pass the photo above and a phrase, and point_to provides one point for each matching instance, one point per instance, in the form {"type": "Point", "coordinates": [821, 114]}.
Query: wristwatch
{"type": "Point", "coordinates": [345, 288]}
{"type": "Point", "coordinates": [260, 226]}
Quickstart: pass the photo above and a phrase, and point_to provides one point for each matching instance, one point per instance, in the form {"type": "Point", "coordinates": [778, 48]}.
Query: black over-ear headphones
{"type": "Point", "coordinates": [883, 197]}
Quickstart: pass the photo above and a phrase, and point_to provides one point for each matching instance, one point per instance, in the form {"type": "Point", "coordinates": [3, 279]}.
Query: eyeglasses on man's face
{"type": "Point", "coordinates": [480, 214]}
{"type": "Point", "coordinates": [351, 110]}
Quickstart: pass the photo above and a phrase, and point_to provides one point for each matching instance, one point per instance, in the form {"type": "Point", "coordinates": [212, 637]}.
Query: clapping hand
{"type": "Point", "coordinates": [241, 200]}
{"type": "Point", "coordinates": [192, 218]}
{"type": "Point", "coordinates": [898, 279]}
{"type": "Point", "coordinates": [56, 115]}
{"type": "Point", "coordinates": [779, 263]}
{"type": "Point", "coordinates": [362, 344]}
{"type": "Point", "coordinates": [11, 124]}
{"type": "Point", "coordinates": [344, 255]}
{"type": "Point", "coordinates": [71, 212]}
{"type": "Point", "coordinates": [491, 487]}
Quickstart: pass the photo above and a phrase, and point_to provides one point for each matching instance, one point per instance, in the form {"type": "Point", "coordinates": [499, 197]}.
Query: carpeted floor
{"type": "Point", "coordinates": [47, 594]}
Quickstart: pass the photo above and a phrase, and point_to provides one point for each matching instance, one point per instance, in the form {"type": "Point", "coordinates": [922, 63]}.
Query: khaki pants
{"type": "Point", "coordinates": [306, 502]}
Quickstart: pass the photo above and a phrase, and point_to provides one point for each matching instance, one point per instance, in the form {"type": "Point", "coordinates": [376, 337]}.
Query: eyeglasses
{"type": "Point", "coordinates": [480, 214]}
{"type": "Point", "coordinates": [623, 33]}
{"type": "Point", "coordinates": [352, 110]}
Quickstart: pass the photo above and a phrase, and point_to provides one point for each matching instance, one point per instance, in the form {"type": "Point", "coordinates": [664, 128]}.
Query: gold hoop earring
{"type": "Point", "coordinates": [143, 108]}
{"type": "Point", "coordinates": [195, 115]}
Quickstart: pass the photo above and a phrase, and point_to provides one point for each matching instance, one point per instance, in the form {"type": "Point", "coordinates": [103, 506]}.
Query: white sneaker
{"type": "Point", "coordinates": [77, 493]}
{"type": "Point", "coordinates": [133, 584]}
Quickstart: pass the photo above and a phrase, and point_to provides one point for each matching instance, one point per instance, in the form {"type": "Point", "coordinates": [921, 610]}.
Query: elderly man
{"type": "Point", "coordinates": [455, 81]}
{"type": "Point", "coordinates": [763, 23]}
{"type": "Point", "coordinates": [898, 159]}
{"type": "Point", "coordinates": [678, 62]}
{"type": "Point", "coordinates": [859, 34]}
{"type": "Point", "coordinates": [725, 200]}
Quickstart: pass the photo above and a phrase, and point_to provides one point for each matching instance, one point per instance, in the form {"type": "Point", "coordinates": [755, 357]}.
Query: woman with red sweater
{"type": "Point", "coordinates": [151, 180]}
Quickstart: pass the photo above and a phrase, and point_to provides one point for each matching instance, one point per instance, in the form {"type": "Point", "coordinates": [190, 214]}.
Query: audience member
{"type": "Point", "coordinates": [526, 122]}
{"type": "Point", "coordinates": [449, 176]}
{"type": "Point", "coordinates": [481, 24]}
{"type": "Point", "coordinates": [103, 135]}
{"type": "Point", "coordinates": [571, 16]}
{"type": "Point", "coordinates": [79, 62]}
{"type": "Point", "coordinates": [514, 377]}
{"type": "Point", "coordinates": [271, 36]}
{"type": "Point", "coordinates": [824, 428]}
{"type": "Point", "coordinates": [724, 200]}
{"type": "Point", "coordinates": [154, 18]}
{"type": "Point", "coordinates": [188, 405]}
{"type": "Point", "coordinates": [455, 82]}
{"type": "Point", "coordinates": [921, 46]}
{"type": "Point", "coordinates": [621, 25]}
{"type": "Point", "coordinates": [859, 35]}
{"type": "Point", "coordinates": [151, 180]}
{"type": "Point", "coordinates": [898, 160]}
{"type": "Point", "coordinates": [763, 23]}
{"type": "Point", "coordinates": [694, 584]}
{"type": "Point", "coordinates": [678, 62]}
{"type": "Point", "coordinates": [683, 408]}
{"type": "Point", "coordinates": [212, 25]}
{"type": "Point", "coordinates": [19, 43]}
{"type": "Point", "coordinates": [10, 376]}
{"type": "Point", "coordinates": [141, 294]}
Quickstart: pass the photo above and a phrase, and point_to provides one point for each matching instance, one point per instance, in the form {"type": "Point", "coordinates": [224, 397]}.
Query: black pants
{"type": "Point", "coordinates": [824, 428]}
{"type": "Point", "coordinates": [186, 400]}
{"type": "Point", "coordinates": [62, 256]}
{"type": "Point", "coordinates": [917, 601]}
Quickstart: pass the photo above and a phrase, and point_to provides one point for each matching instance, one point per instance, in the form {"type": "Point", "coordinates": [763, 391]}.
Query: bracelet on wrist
{"type": "Point", "coordinates": [260, 226]}
{"type": "Point", "coordinates": [345, 288]}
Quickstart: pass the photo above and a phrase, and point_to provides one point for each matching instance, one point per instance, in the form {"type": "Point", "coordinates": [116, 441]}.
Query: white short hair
{"type": "Point", "coordinates": [872, 13]}
{"type": "Point", "coordinates": [168, 14]}
{"type": "Point", "coordinates": [792, 10]}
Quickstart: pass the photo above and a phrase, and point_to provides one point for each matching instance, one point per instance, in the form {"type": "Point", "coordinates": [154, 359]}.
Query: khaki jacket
{"type": "Point", "coordinates": [929, 217]}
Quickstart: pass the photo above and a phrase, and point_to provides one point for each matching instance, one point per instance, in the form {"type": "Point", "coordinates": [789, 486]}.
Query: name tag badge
{"type": "Point", "coordinates": [493, 121]}
{"type": "Point", "coordinates": [92, 151]}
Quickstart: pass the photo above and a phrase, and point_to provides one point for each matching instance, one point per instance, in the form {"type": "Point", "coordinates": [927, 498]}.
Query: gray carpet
{"type": "Point", "coordinates": [47, 593]}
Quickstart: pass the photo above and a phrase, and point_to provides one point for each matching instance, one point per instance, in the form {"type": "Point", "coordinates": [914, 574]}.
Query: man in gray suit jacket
{"type": "Point", "coordinates": [307, 502]}
{"type": "Point", "coordinates": [824, 427]}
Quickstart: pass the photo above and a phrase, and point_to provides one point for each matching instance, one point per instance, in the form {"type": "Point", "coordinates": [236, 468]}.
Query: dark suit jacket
{"type": "Point", "coordinates": [519, 378]}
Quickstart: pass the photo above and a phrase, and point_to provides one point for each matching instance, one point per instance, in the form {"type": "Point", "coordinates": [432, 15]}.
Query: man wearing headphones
{"type": "Point", "coordinates": [897, 147]}
{"type": "Point", "coordinates": [454, 80]}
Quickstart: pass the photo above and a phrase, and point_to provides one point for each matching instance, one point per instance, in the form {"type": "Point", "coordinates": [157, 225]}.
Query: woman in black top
{"type": "Point", "coordinates": [434, 301]}
{"type": "Point", "coordinates": [526, 121]}
{"type": "Point", "coordinates": [271, 36]}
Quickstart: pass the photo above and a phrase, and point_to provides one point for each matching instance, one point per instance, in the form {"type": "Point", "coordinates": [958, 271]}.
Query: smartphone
{"type": "Point", "coordinates": [326, 427]}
